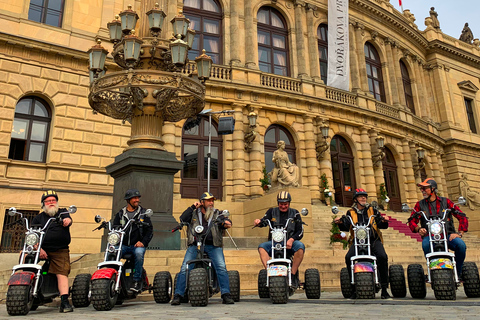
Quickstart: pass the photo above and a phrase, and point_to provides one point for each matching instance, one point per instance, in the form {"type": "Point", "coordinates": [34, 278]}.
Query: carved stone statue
{"type": "Point", "coordinates": [433, 16]}
{"type": "Point", "coordinates": [284, 173]}
{"type": "Point", "coordinates": [467, 35]}
{"type": "Point", "coordinates": [472, 196]}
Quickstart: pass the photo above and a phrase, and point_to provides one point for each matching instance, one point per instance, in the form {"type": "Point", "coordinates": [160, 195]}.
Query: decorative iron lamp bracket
{"type": "Point", "coordinates": [321, 148]}
{"type": "Point", "coordinates": [251, 135]}
{"type": "Point", "coordinates": [378, 157]}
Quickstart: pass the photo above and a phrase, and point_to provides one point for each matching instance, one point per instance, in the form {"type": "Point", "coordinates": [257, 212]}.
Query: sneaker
{"type": "Point", "coordinates": [65, 306]}
{"type": "Point", "coordinates": [177, 299]}
{"type": "Point", "coordinates": [385, 295]}
{"type": "Point", "coordinates": [137, 286]}
{"type": "Point", "coordinates": [227, 299]}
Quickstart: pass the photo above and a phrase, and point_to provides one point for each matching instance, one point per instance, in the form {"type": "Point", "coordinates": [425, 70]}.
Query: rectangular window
{"type": "Point", "coordinates": [470, 115]}
{"type": "Point", "coordinates": [47, 11]}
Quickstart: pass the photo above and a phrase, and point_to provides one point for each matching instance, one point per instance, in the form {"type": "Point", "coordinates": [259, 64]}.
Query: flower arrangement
{"type": "Point", "coordinates": [324, 185]}
{"type": "Point", "coordinates": [337, 236]}
{"type": "Point", "coordinates": [383, 195]}
{"type": "Point", "coordinates": [265, 181]}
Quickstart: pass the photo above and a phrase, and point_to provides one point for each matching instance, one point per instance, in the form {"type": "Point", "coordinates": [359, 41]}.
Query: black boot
{"type": "Point", "coordinates": [385, 294]}
{"type": "Point", "coordinates": [227, 299]}
{"type": "Point", "coordinates": [64, 304]}
{"type": "Point", "coordinates": [177, 299]}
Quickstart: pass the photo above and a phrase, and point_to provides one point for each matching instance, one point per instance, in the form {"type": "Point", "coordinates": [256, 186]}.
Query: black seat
{"type": "Point", "coordinates": [128, 256]}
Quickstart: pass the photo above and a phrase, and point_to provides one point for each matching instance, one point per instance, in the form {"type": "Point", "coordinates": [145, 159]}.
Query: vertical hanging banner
{"type": "Point", "coordinates": [338, 45]}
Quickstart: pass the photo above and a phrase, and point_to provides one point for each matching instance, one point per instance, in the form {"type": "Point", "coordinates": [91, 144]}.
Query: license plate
{"type": "Point", "coordinates": [277, 271]}
{"type": "Point", "coordinates": [441, 263]}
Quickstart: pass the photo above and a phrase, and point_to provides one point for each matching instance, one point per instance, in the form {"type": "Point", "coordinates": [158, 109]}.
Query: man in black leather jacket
{"type": "Point", "coordinates": [137, 236]}
{"type": "Point", "coordinates": [279, 215]}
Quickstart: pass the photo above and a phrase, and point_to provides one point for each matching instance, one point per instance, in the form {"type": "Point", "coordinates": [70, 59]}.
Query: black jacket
{"type": "Point", "coordinates": [294, 229]}
{"type": "Point", "coordinates": [56, 236]}
{"type": "Point", "coordinates": [135, 232]}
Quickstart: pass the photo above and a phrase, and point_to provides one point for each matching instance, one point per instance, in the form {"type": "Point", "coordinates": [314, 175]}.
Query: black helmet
{"type": "Point", "coordinates": [206, 196]}
{"type": "Point", "coordinates": [284, 196]}
{"type": "Point", "coordinates": [429, 182]}
{"type": "Point", "coordinates": [132, 193]}
{"type": "Point", "coordinates": [49, 193]}
{"type": "Point", "coordinates": [359, 192]}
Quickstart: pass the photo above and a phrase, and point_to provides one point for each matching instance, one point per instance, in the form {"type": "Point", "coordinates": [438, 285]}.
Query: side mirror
{"type": "Point", "coordinates": [462, 201]}
{"type": "Point", "coordinates": [374, 204]}
{"type": "Point", "coordinates": [72, 209]}
{"type": "Point", "coordinates": [226, 213]}
{"type": "Point", "coordinates": [149, 213]}
{"type": "Point", "coordinates": [335, 210]}
{"type": "Point", "coordinates": [98, 218]}
{"type": "Point", "coordinates": [304, 212]}
{"type": "Point", "coordinates": [12, 211]}
{"type": "Point", "coordinates": [405, 207]}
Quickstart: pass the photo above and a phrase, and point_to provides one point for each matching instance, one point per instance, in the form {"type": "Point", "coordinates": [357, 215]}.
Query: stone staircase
{"type": "Point", "coordinates": [329, 259]}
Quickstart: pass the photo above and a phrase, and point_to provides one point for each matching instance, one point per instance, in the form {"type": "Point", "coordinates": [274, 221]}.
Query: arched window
{"type": "Point", "coordinates": [195, 157]}
{"type": "Point", "coordinates": [30, 130]}
{"type": "Point", "coordinates": [322, 38]}
{"type": "Point", "coordinates": [391, 180]}
{"type": "Point", "coordinates": [274, 134]}
{"type": "Point", "coordinates": [206, 19]}
{"type": "Point", "coordinates": [47, 11]}
{"type": "Point", "coordinates": [374, 72]}
{"type": "Point", "coordinates": [272, 42]}
{"type": "Point", "coordinates": [407, 87]}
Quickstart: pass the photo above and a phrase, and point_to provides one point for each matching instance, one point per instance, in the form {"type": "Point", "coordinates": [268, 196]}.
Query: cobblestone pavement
{"type": "Point", "coordinates": [330, 306]}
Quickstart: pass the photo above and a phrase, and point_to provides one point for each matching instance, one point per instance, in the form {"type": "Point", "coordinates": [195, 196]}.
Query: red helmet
{"type": "Point", "coordinates": [359, 192]}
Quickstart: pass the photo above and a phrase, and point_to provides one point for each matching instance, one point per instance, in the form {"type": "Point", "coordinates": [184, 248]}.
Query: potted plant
{"type": "Point", "coordinates": [326, 191]}
{"type": "Point", "coordinates": [384, 199]}
{"type": "Point", "coordinates": [337, 236]}
{"type": "Point", "coordinates": [265, 181]}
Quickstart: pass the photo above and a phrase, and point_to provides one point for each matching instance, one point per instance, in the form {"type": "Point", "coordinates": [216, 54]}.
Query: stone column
{"type": "Point", "coordinates": [256, 155]}
{"type": "Point", "coordinates": [325, 163]}
{"type": "Point", "coordinates": [410, 182]}
{"type": "Point", "coordinates": [413, 156]}
{"type": "Point", "coordinates": [311, 163]}
{"type": "Point", "coordinates": [354, 71]}
{"type": "Point", "coordinates": [362, 66]}
{"type": "Point", "coordinates": [398, 76]}
{"type": "Point", "coordinates": [235, 32]}
{"type": "Point", "coordinates": [389, 43]}
{"type": "Point", "coordinates": [426, 112]}
{"type": "Point", "coordinates": [250, 46]}
{"type": "Point", "coordinates": [312, 43]}
{"type": "Point", "coordinates": [441, 87]}
{"type": "Point", "coordinates": [436, 170]}
{"type": "Point", "coordinates": [238, 154]}
{"type": "Point", "coordinates": [420, 110]}
{"type": "Point", "coordinates": [378, 169]}
{"type": "Point", "coordinates": [367, 172]}
{"type": "Point", "coordinates": [301, 60]}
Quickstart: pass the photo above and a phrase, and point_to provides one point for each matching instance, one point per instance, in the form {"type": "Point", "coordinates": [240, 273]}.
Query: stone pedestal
{"type": "Point", "coordinates": [151, 172]}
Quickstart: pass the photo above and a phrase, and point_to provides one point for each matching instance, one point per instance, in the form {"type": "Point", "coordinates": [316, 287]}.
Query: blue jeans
{"type": "Point", "coordinates": [218, 260]}
{"type": "Point", "coordinates": [457, 245]}
{"type": "Point", "coordinates": [297, 245]}
{"type": "Point", "coordinates": [138, 254]}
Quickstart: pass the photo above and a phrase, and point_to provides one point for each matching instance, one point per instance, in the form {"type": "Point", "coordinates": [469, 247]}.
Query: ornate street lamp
{"type": "Point", "coordinates": [378, 157]}
{"type": "Point", "coordinates": [251, 134]}
{"type": "Point", "coordinates": [322, 146]}
{"type": "Point", "coordinates": [151, 87]}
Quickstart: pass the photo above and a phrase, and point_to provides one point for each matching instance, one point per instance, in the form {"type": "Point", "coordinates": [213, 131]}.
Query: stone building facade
{"type": "Point", "coordinates": [418, 89]}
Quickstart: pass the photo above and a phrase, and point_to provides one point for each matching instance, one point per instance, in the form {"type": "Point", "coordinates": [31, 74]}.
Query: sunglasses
{"type": "Point", "coordinates": [424, 188]}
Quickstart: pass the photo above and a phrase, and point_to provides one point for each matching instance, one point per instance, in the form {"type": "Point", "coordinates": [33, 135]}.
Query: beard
{"type": "Point", "coordinates": [51, 211]}
{"type": "Point", "coordinates": [208, 212]}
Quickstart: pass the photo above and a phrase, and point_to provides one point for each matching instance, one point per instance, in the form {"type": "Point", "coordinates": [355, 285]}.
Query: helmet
{"type": "Point", "coordinates": [284, 196]}
{"type": "Point", "coordinates": [206, 196]}
{"type": "Point", "coordinates": [359, 192]}
{"type": "Point", "coordinates": [429, 182]}
{"type": "Point", "coordinates": [132, 193]}
{"type": "Point", "coordinates": [49, 193]}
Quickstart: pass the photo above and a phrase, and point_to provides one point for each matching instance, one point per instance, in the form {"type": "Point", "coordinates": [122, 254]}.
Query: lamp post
{"type": "Point", "coordinates": [209, 112]}
{"type": "Point", "coordinates": [377, 158]}
{"type": "Point", "coordinates": [147, 88]}
{"type": "Point", "coordinates": [322, 146]}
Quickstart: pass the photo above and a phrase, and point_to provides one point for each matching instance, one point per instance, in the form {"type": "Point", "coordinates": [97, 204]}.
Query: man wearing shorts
{"type": "Point", "coordinates": [55, 244]}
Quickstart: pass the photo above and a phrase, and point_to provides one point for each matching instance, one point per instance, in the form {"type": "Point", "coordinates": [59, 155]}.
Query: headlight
{"type": "Point", "coordinates": [31, 239]}
{"type": "Point", "coordinates": [114, 238]}
{"type": "Point", "coordinates": [277, 235]}
{"type": "Point", "coordinates": [199, 229]}
{"type": "Point", "coordinates": [436, 228]}
{"type": "Point", "coordinates": [361, 234]}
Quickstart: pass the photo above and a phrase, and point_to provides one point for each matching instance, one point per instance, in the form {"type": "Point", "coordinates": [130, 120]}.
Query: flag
{"type": "Point", "coordinates": [338, 74]}
{"type": "Point", "coordinates": [401, 4]}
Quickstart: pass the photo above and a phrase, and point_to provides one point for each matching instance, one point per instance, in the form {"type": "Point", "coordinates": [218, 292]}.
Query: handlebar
{"type": "Point", "coordinates": [180, 226]}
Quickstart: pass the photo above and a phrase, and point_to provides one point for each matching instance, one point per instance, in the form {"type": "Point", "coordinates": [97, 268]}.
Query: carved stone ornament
{"type": "Point", "coordinates": [117, 94]}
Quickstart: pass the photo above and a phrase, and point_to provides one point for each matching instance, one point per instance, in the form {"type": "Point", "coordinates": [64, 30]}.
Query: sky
{"type": "Point", "coordinates": [452, 14]}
